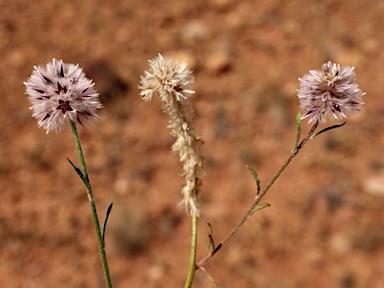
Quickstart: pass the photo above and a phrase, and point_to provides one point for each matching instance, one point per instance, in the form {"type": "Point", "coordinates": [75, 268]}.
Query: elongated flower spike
{"type": "Point", "coordinates": [169, 81]}
{"type": "Point", "coordinates": [331, 91]}
{"type": "Point", "coordinates": [59, 92]}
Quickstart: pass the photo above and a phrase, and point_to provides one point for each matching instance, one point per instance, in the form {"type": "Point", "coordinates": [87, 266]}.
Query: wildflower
{"type": "Point", "coordinates": [169, 81]}
{"type": "Point", "coordinates": [61, 91]}
{"type": "Point", "coordinates": [330, 91]}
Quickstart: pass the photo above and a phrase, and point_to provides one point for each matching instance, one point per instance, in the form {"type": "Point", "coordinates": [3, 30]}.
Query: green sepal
{"type": "Point", "coordinates": [256, 177]}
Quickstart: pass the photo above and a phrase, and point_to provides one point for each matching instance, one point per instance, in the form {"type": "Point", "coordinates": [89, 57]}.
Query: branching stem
{"type": "Point", "coordinates": [258, 198]}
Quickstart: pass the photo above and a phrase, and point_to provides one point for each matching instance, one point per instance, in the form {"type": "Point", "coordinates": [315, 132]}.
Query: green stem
{"type": "Point", "coordinates": [87, 184]}
{"type": "Point", "coordinates": [258, 198]}
{"type": "Point", "coordinates": [249, 212]}
{"type": "Point", "coordinates": [192, 260]}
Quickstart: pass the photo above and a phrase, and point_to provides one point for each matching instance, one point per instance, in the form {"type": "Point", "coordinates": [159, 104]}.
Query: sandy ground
{"type": "Point", "coordinates": [325, 227]}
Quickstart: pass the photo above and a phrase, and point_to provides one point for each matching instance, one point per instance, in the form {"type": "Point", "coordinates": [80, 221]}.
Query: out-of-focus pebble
{"type": "Point", "coordinates": [218, 62]}
{"type": "Point", "coordinates": [183, 56]}
{"type": "Point", "coordinates": [374, 185]}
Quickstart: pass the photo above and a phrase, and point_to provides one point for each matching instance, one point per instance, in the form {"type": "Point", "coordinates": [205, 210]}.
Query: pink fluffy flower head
{"type": "Point", "coordinates": [331, 91]}
{"type": "Point", "coordinates": [59, 92]}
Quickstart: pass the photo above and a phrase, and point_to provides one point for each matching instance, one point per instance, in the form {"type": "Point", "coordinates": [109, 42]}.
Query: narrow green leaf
{"type": "Point", "coordinates": [211, 243]}
{"type": "Point", "coordinates": [328, 128]}
{"type": "Point", "coordinates": [105, 223]}
{"type": "Point", "coordinates": [77, 170]}
{"type": "Point", "coordinates": [259, 207]}
{"type": "Point", "coordinates": [298, 129]}
{"type": "Point", "coordinates": [256, 177]}
{"type": "Point", "coordinates": [210, 229]}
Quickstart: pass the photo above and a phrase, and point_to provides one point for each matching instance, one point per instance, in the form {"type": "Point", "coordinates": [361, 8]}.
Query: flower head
{"type": "Point", "coordinates": [330, 91]}
{"type": "Point", "coordinates": [169, 80]}
{"type": "Point", "coordinates": [60, 91]}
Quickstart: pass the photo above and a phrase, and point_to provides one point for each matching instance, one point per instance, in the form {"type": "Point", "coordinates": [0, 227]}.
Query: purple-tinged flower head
{"type": "Point", "coordinates": [331, 91]}
{"type": "Point", "coordinates": [59, 92]}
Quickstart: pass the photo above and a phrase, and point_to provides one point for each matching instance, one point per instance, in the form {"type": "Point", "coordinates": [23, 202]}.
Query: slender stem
{"type": "Point", "coordinates": [309, 136]}
{"type": "Point", "coordinates": [210, 277]}
{"type": "Point", "coordinates": [192, 260]}
{"type": "Point", "coordinates": [87, 184]}
{"type": "Point", "coordinates": [258, 198]}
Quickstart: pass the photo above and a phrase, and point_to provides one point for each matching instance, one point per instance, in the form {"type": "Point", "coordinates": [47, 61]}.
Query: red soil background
{"type": "Point", "coordinates": [325, 226]}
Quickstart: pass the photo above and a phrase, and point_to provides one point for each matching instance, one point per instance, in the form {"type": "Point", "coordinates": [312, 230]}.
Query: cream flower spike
{"type": "Point", "coordinates": [169, 80]}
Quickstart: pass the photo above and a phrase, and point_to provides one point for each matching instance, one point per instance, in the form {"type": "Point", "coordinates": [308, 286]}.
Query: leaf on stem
{"type": "Point", "coordinates": [77, 170]}
{"type": "Point", "coordinates": [259, 207]}
{"type": "Point", "coordinates": [211, 243]}
{"type": "Point", "coordinates": [256, 177]}
{"type": "Point", "coordinates": [105, 223]}
{"type": "Point", "coordinates": [327, 129]}
{"type": "Point", "coordinates": [298, 129]}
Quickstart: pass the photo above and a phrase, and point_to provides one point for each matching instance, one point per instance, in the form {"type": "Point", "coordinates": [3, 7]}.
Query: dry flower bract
{"type": "Point", "coordinates": [169, 81]}
{"type": "Point", "coordinates": [60, 91]}
{"type": "Point", "coordinates": [332, 91]}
